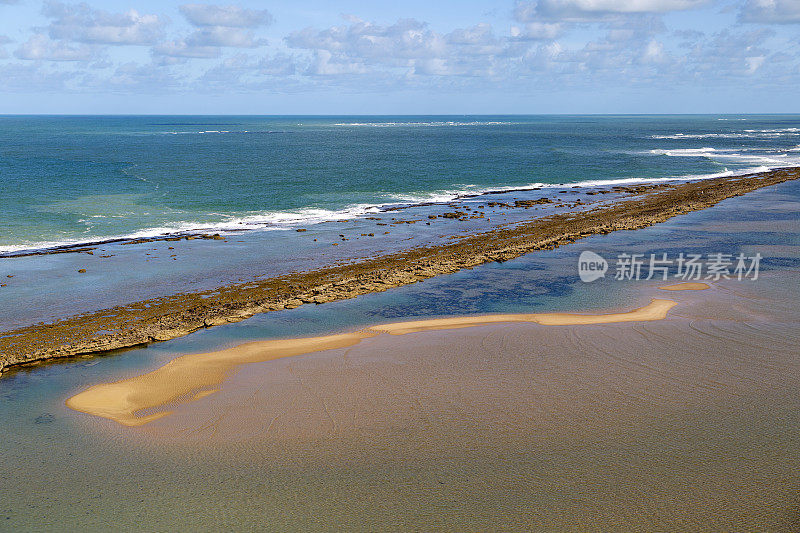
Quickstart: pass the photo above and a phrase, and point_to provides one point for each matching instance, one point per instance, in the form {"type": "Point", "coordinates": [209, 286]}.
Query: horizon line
{"type": "Point", "coordinates": [383, 114]}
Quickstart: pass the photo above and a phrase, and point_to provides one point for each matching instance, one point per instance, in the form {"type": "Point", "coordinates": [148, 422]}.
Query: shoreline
{"type": "Point", "coordinates": [194, 376]}
{"type": "Point", "coordinates": [177, 315]}
{"type": "Point", "coordinates": [624, 186]}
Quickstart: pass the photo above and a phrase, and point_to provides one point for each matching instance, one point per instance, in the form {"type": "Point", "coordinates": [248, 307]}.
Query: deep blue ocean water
{"type": "Point", "coordinates": [82, 179]}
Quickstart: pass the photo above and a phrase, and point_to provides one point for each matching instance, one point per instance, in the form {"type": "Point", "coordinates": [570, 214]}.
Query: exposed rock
{"type": "Point", "coordinates": [173, 316]}
{"type": "Point", "coordinates": [215, 321]}
{"type": "Point", "coordinates": [528, 203]}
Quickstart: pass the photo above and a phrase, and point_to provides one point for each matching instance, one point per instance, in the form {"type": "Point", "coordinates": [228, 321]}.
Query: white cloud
{"type": "Point", "coordinates": [654, 53]}
{"type": "Point", "coordinates": [629, 53]}
{"type": "Point", "coordinates": [277, 65]}
{"type": "Point", "coordinates": [754, 63]}
{"type": "Point", "coordinates": [537, 31]}
{"type": "Point", "coordinates": [406, 39]}
{"type": "Point", "coordinates": [229, 71]}
{"type": "Point", "coordinates": [409, 50]}
{"type": "Point", "coordinates": [248, 72]}
{"type": "Point", "coordinates": [480, 34]}
{"type": "Point", "coordinates": [218, 27]}
{"type": "Point", "coordinates": [40, 48]}
{"type": "Point", "coordinates": [325, 64]}
{"type": "Point", "coordinates": [729, 54]}
{"type": "Point", "coordinates": [143, 78]}
{"type": "Point", "coordinates": [183, 50]}
{"type": "Point", "coordinates": [592, 9]}
{"type": "Point", "coordinates": [771, 11]}
{"type": "Point", "coordinates": [229, 16]}
{"type": "Point", "coordinates": [81, 23]}
{"type": "Point", "coordinates": [433, 67]}
{"type": "Point", "coordinates": [554, 44]}
{"type": "Point", "coordinates": [478, 40]}
{"type": "Point", "coordinates": [36, 77]}
{"type": "Point", "coordinates": [401, 50]}
{"type": "Point", "coordinates": [223, 36]}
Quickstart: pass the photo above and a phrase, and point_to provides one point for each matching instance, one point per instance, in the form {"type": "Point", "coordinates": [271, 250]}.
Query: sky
{"type": "Point", "coordinates": [399, 57]}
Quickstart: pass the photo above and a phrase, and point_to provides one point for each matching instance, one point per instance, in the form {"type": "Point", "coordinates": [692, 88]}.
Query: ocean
{"type": "Point", "coordinates": [73, 179]}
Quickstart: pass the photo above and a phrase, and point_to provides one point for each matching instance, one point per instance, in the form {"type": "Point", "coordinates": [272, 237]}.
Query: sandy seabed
{"type": "Point", "coordinates": [668, 420]}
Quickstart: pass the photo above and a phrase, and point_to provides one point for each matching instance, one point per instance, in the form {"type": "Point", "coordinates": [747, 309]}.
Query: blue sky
{"type": "Point", "coordinates": [314, 57]}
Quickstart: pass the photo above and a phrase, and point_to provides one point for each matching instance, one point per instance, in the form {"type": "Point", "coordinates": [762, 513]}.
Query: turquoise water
{"type": "Point", "coordinates": [83, 179]}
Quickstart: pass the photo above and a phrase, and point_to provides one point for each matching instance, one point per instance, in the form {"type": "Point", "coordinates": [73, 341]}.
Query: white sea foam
{"type": "Point", "coordinates": [280, 220]}
{"type": "Point", "coordinates": [289, 219]}
{"type": "Point", "coordinates": [743, 134]}
{"type": "Point", "coordinates": [778, 130]}
{"type": "Point", "coordinates": [683, 136]}
{"type": "Point", "coordinates": [213, 132]}
{"type": "Point", "coordinates": [772, 159]}
{"type": "Point", "coordinates": [424, 124]}
{"type": "Point", "coordinates": [269, 220]}
{"type": "Point", "coordinates": [684, 152]}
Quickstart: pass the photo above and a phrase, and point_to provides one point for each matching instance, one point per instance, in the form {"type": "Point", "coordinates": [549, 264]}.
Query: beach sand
{"type": "Point", "coordinates": [192, 377]}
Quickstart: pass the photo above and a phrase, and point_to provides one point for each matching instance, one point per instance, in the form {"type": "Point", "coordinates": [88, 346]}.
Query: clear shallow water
{"type": "Point", "coordinates": [46, 287]}
{"type": "Point", "coordinates": [61, 470]}
{"type": "Point", "coordinates": [79, 179]}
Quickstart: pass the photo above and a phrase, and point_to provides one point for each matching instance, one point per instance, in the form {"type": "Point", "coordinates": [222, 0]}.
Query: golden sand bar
{"type": "Point", "coordinates": [686, 286]}
{"type": "Point", "coordinates": [194, 376]}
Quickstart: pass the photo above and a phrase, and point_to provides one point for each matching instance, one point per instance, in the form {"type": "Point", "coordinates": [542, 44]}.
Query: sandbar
{"type": "Point", "coordinates": [194, 376]}
{"type": "Point", "coordinates": [686, 286]}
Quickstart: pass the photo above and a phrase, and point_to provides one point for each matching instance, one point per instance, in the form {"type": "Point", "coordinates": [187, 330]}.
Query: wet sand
{"type": "Point", "coordinates": [192, 377]}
